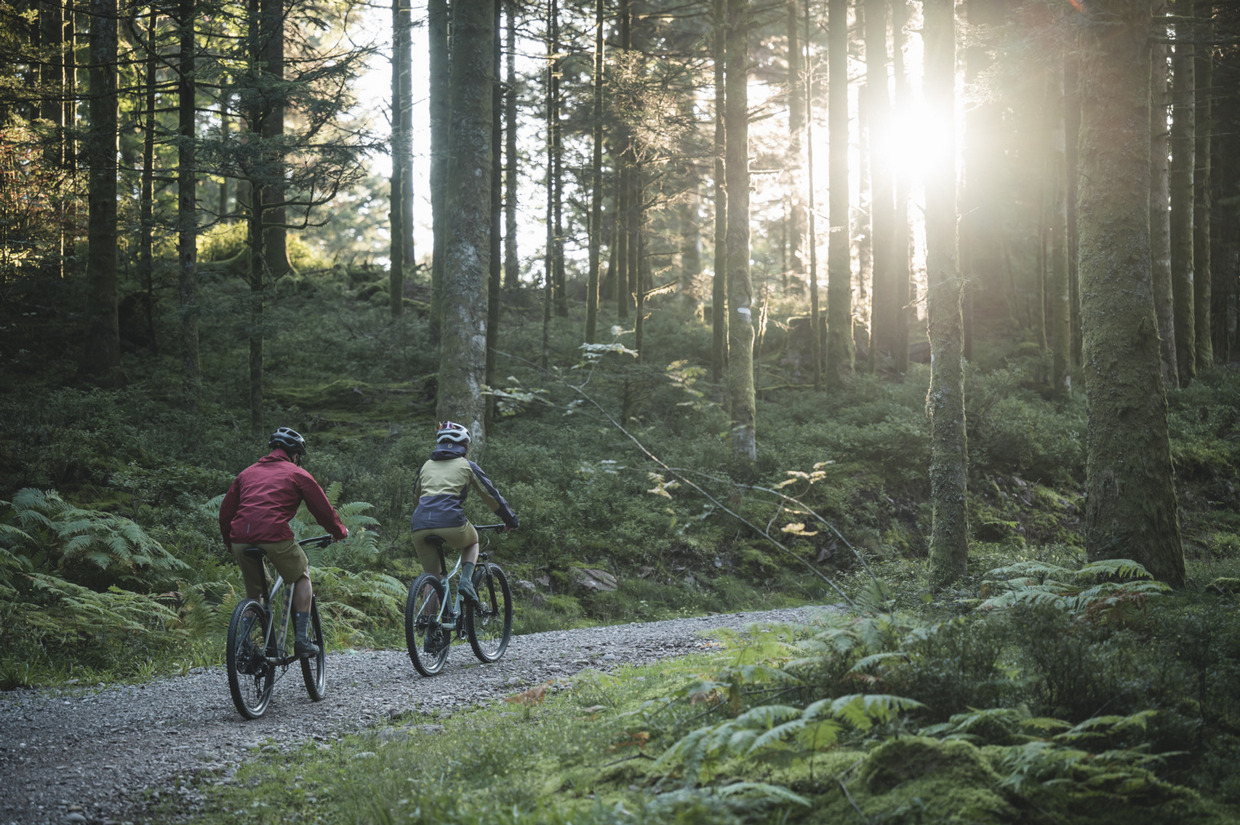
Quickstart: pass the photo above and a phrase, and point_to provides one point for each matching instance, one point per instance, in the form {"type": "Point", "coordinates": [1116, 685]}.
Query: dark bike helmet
{"type": "Point", "coordinates": [288, 440]}
{"type": "Point", "coordinates": [449, 432]}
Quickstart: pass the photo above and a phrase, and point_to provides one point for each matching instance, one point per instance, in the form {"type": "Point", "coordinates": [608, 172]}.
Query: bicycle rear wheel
{"type": "Point", "coordinates": [314, 668]}
{"type": "Point", "coordinates": [488, 621]}
{"type": "Point", "coordinates": [427, 641]}
{"type": "Point", "coordinates": [250, 674]}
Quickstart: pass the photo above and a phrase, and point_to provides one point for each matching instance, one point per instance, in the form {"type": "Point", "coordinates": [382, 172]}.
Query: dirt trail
{"type": "Point", "coordinates": [102, 754]}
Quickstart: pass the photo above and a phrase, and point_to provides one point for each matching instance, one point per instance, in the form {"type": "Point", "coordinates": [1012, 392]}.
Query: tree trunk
{"type": "Point", "coordinates": [275, 244]}
{"type": "Point", "coordinates": [901, 230]}
{"type": "Point", "coordinates": [740, 298]}
{"type": "Point", "coordinates": [1059, 313]}
{"type": "Point", "coordinates": [949, 538]}
{"type": "Point", "coordinates": [884, 311]}
{"type": "Point", "coordinates": [495, 280]}
{"type": "Point", "coordinates": [187, 204]}
{"type": "Point", "coordinates": [795, 267]}
{"type": "Point", "coordinates": [512, 264]}
{"type": "Point", "coordinates": [596, 177]}
{"type": "Point", "coordinates": [402, 157]}
{"type": "Point", "coordinates": [1160, 203]}
{"type": "Point", "coordinates": [840, 350]}
{"type": "Point", "coordinates": [719, 281]}
{"type": "Point", "coordinates": [556, 173]}
{"type": "Point", "coordinates": [1130, 498]}
{"type": "Point", "coordinates": [438, 46]}
{"type": "Point", "coordinates": [1181, 188]}
{"type": "Point", "coordinates": [467, 254]}
{"type": "Point", "coordinates": [101, 354]}
{"type": "Point", "coordinates": [815, 312]}
{"type": "Point", "coordinates": [146, 198]}
{"type": "Point", "coordinates": [1203, 128]}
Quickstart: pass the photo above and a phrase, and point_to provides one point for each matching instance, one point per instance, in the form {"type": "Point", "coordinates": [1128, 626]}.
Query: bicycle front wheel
{"type": "Point", "coordinates": [427, 641]}
{"type": "Point", "coordinates": [250, 674]}
{"type": "Point", "coordinates": [488, 621]}
{"type": "Point", "coordinates": [314, 668]}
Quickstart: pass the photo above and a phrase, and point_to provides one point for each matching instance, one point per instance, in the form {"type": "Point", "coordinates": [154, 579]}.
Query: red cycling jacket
{"type": "Point", "coordinates": [265, 497]}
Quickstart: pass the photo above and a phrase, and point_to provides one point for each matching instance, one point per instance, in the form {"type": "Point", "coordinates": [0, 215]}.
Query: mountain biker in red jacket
{"type": "Point", "coordinates": [255, 513]}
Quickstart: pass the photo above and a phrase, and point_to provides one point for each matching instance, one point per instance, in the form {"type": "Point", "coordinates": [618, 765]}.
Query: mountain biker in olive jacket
{"type": "Point", "coordinates": [255, 513]}
{"type": "Point", "coordinates": [440, 490]}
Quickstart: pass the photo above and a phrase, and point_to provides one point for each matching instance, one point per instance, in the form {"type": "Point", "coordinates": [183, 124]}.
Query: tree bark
{"type": "Point", "coordinates": [1131, 509]}
{"type": "Point", "coordinates": [596, 177]}
{"type": "Point", "coordinates": [1160, 201]}
{"type": "Point", "coordinates": [885, 312]}
{"type": "Point", "coordinates": [795, 266]}
{"type": "Point", "coordinates": [401, 223]}
{"type": "Point", "coordinates": [438, 45]}
{"type": "Point", "coordinates": [495, 273]}
{"type": "Point", "coordinates": [187, 203]}
{"type": "Point", "coordinates": [1181, 188]}
{"type": "Point", "coordinates": [949, 538]}
{"type": "Point", "coordinates": [1203, 129]}
{"type": "Point", "coordinates": [719, 281]}
{"type": "Point", "coordinates": [1059, 313]}
{"type": "Point", "coordinates": [468, 250]}
{"type": "Point", "coordinates": [841, 353]}
{"type": "Point", "coordinates": [740, 298]}
{"type": "Point", "coordinates": [101, 355]}
{"type": "Point", "coordinates": [512, 264]}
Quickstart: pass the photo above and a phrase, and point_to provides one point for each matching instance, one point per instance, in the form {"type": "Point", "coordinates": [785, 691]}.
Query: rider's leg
{"type": "Point", "coordinates": [469, 558]}
{"type": "Point", "coordinates": [303, 595]}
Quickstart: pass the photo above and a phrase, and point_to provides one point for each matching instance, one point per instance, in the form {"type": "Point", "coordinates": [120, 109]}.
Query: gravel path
{"type": "Point", "coordinates": [98, 755]}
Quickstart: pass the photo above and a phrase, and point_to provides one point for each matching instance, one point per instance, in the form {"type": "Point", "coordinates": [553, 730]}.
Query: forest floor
{"type": "Point", "coordinates": [111, 753]}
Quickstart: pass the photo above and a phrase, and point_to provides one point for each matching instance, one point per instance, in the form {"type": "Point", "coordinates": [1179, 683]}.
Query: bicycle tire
{"type": "Point", "coordinates": [488, 621]}
{"type": "Point", "coordinates": [421, 625]}
{"type": "Point", "coordinates": [251, 675]}
{"type": "Point", "coordinates": [314, 668]}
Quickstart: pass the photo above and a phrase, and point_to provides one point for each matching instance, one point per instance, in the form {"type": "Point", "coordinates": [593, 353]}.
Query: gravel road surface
{"type": "Point", "coordinates": [102, 754]}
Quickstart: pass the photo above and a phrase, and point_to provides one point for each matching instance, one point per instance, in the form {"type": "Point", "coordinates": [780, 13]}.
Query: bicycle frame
{"type": "Point", "coordinates": [450, 621]}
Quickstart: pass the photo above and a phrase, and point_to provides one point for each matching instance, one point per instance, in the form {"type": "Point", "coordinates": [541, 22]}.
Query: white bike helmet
{"type": "Point", "coordinates": [449, 432]}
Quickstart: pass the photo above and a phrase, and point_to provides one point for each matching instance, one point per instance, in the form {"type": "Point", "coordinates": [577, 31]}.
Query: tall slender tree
{"type": "Point", "coordinates": [439, 71]}
{"type": "Point", "coordinates": [840, 349]}
{"type": "Point", "coordinates": [101, 353]}
{"type": "Point", "coordinates": [1131, 509]}
{"type": "Point", "coordinates": [1183, 143]}
{"type": "Point", "coordinates": [512, 264]}
{"type": "Point", "coordinates": [740, 293]}
{"type": "Point", "coordinates": [401, 222]}
{"type": "Point", "coordinates": [1203, 133]}
{"type": "Point", "coordinates": [596, 176]}
{"type": "Point", "coordinates": [187, 198]}
{"type": "Point", "coordinates": [949, 537]}
{"type": "Point", "coordinates": [1160, 202]}
{"type": "Point", "coordinates": [719, 282]}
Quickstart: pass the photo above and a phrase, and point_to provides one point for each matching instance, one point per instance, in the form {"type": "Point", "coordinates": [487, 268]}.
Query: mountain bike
{"type": "Point", "coordinates": [260, 642]}
{"type": "Point", "coordinates": [434, 613]}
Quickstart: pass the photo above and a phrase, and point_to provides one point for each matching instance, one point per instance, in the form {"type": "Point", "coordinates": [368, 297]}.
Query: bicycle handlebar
{"type": "Point", "coordinates": [317, 541]}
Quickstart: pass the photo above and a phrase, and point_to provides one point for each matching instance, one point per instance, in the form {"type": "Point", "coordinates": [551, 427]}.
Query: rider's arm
{"type": "Point", "coordinates": [480, 482]}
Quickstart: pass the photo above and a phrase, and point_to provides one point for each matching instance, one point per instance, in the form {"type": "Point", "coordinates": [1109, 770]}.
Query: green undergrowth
{"type": "Point", "coordinates": [1053, 694]}
{"type": "Point", "coordinates": [614, 464]}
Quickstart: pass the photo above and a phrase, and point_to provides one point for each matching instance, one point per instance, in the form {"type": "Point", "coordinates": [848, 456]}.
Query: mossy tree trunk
{"type": "Point", "coordinates": [1131, 509]}
{"type": "Point", "coordinates": [468, 202]}
{"type": "Point", "coordinates": [949, 537]}
{"type": "Point", "coordinates": [512, 264]}
{"type": "Point", "coordinates": [740, 298]}
{"type": "Point", "coordinates": [841, 354]}
{"type": "Point", "coordinates": [495, 273]}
